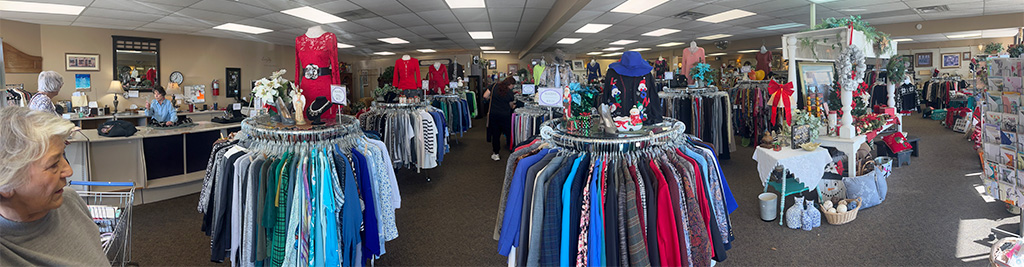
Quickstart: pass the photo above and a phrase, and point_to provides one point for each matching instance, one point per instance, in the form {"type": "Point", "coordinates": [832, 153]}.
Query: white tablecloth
{"type": "Point", "coordinates": [806, 166]}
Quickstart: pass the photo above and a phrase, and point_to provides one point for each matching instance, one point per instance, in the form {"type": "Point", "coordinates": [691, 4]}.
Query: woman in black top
{"type": "Point", "coordinates": [499, 116]}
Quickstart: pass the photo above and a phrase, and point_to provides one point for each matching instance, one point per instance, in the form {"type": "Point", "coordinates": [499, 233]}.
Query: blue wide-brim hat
{"type": "Point", "coordinates": [631, 64]}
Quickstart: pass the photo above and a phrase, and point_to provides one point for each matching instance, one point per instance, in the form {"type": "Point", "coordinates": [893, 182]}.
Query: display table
{"type": "Point", "coordinates": [806, 166]}
{"type": "Point", "coordinates": [162, 163]}
{"type": "Point", "coordinates": [140, 119]}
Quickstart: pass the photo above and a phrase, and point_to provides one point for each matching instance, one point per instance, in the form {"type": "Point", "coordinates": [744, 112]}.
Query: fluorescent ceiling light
{"type": "Point", "coordinates": [486, 48]}
{"type": "Point", "coordinates": [821, 1]}
{"type": "Point", "coordinates": [341, 45]}
{"type": "Point", "coordinates": [481, 35]}
{"type": "Point", "coordinates": [385, 53]}
{"type": "Point", "coordinates": [660, 32]}
{"type": "Point", "coordinates": [748, 51]}
{"type": "Point", "coordinates": [426, 50]}
{"type": "Point", "coordinates": [640, 49]}
{"type": "Point", "coordinates": [242, 28]}
{"type": "Point", "coordinates": [393, 40]}
{"type": "Point", "coordinates": [612, 54]}
{"type": "Point", "coordinates": [716, 54]}
{"type": "Point", "coordinates": [727, 16]}
{"type": "Point", "coordinates": [622, 42]}
{"type": "Point", "coordinates": [465, 4]}
{"type": "Point", "coordinates": [612, 49]}
{"type": "Point", "coordinates": [313, 14]}
{"type": "Point", "coordinates": [716, 36]}
{"type": "Point", "coordinates": [852, 9]}
{"type": "Point", "coordinates": [593, 28]}
{"type": "Point", "coordinates": [496, 52]}
{"type": "Point", "coordinates": [781, 26]}
{"type": "Point", "coordinates": [569, 40]}
{"type": "Point", "coordinates": [18, 6]}
{"type": "Point", "coordinates": [595, 53]}
{"type": "Point", "coordinates": [637, 6]}
{"type": "Point", "coordinates": [969, 35]}
{"type": "Point", "coordinates": [903, 40]}
{"type": "Point", "coordinates": [670, 44]}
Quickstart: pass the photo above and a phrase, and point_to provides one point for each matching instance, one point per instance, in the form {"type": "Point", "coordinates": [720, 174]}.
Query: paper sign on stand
{"type": "Point", "coordinates": [549, 96]}
{"type": "Point", "coordinates": [668, 75]}
{"type": "Point", "coordinates": [339, 94]}
{"type": "Point", "coordinates": [529, 89]}
{"type": "Point", "coordinates": [453, 85]}
{"type": "Point", "coordinates": [236, 106]}
{"type": "Point", "coordinates": [426, 85]}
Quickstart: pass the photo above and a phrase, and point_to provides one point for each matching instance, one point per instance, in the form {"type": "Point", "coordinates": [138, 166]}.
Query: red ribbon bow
{"type": "Point", "coordinates": [780, 95]}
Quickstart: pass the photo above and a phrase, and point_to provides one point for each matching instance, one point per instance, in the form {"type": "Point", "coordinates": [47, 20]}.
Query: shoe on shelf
{"type": "Point", "coordinates": [495, 157]}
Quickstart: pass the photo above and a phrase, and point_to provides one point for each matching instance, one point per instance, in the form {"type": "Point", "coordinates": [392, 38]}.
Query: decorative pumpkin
{"type": "Point", "coordinates": [752, 75]}
{"type": "Point", "coordinates": [759, 75]}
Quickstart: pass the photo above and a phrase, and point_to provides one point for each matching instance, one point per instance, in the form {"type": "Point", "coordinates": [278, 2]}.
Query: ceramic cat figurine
{"type": "Point", "coordinates": [811, 216]}
{"type": "Point", "coordinates": [794, 215]}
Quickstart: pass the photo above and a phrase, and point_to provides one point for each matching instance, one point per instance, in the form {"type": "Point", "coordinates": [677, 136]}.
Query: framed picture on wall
{"type": "Point", "coordinates": [951, 60]}
{"type": "Point", "coordinates": [233, 81]}
{"type": "Point", "coordinates": [492, 64]}
{"type": "Point", "coordinates": [923, 60]}
{"type": "Point", "coordinates": [513, 68]}
{"type": "Point", "coordinates": [815, 81]}
{"type": "Point", "coordinates": [577, 64]}
{"type": "Point", "coordinates": [81, 62]}
{"type": "Point", "coordinates": [83, 82]}
{"type": "Point", "coordinates": [965, 56]}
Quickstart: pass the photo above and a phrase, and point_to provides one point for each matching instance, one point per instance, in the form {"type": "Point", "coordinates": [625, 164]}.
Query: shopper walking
{"type": "Point", "coordinates": [42, 222]}
{"type": "Point", "coordinates": [49, 86]}
{"type": "Point", "coordinates": [499, 115]}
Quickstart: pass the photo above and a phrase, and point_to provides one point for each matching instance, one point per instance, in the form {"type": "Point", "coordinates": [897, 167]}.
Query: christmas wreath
{"type": "Point", "coordinates": [851, 67]}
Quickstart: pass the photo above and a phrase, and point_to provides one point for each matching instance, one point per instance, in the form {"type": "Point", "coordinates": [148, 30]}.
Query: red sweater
{"type": "Point", "coordinates": [407, 74]}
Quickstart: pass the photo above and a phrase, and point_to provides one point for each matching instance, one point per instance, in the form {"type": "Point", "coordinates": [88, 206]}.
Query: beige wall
{"type": "Point", "coordinates": [201, 59]}
{"type": "Point", "coordinates": [939, 48]}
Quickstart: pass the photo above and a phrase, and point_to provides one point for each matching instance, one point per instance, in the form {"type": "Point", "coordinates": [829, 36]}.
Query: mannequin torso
{"type": "Point", "coordinates": [315, 31]}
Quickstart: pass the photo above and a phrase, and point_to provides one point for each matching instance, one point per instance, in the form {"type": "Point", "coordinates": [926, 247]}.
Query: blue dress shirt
{"type": "Point", "coordinates": [162, 111]}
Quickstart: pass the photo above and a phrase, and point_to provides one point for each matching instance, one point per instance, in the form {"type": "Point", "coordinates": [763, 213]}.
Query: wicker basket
{"type": "Point", "coordinates": [834, 218]}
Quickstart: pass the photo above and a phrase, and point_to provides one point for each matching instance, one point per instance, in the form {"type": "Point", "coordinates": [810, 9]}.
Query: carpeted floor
{"type": "Point", "coordinates": [933, 215]}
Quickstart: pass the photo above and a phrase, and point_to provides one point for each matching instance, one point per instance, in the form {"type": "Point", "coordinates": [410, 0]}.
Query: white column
{"type": "Point", "coordinates": [792, 45]}
{"type": "Point", "coordinates": [846, 129]}
{"type": "Point", "coordinates": [891, 89]}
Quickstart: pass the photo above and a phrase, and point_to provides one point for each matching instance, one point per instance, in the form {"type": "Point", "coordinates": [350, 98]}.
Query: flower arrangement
{"type": "Point", "coordinates": [1015, 50]}
{"type": "Point", "coordinates": [802, 118]}
{"type": "Point", "coordinates": [269, 88]}
{"type": "Point", "coordinates": [702, 72]}
{"type": "Point", "coordinates": [993, 48]}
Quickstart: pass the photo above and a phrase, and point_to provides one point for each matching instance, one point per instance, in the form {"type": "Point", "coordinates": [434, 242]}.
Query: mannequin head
{"type": "Point", "coordinates": [763, 49]}
{"type": "Point", "coordinates": [406, 57]}
{"type": "Point", "coordinates": [315, 31]}
{"type": "Point", "coordinates": [437, 65]}
{"type": "Point", "coordinates": [693, 44]}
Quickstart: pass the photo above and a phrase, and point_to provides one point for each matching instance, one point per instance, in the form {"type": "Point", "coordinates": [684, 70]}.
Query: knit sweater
{"type": "Point", "coordinates": [66, 236]}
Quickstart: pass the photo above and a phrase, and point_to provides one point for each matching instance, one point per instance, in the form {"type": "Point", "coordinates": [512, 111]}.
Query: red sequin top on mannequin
{"type": "Point", "coordinates": [311, 56]}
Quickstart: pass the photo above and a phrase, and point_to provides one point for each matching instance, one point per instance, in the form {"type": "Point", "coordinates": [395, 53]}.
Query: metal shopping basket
{"type": "Point", "coordinates": [112, 212]}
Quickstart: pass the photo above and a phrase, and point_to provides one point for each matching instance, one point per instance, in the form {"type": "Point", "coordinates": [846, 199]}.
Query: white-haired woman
{"type": "Point", "coordinates": [49, 86]}
{"type": "Point", "coordinates": [42, 222]}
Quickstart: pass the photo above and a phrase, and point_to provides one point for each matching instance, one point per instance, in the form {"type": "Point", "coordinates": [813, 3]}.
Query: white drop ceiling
{"type": "Point", "coordinates": [432, 24]}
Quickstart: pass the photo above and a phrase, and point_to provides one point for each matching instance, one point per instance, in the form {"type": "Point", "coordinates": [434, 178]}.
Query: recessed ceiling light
{"type": "Point", "coordinates": [612, 49]}
{"type": "Point", "coordinates": [393, 40]}
{"type": "Point", "coordinates": [18, 6]}
{"type": "Point", "coordinates": [612, 54]}
{"type": "Point", "coordinates": [821, 1]}
{"type": "Point", "coordinates": [969, 35]}
{"type": "Point", "coordinates": [569, 40]}
{"type": "Point", "coordinates": [313, 14]}
{"type": "Point", "coordinates": [748, 51]}
{"type": "Point", "coordinates": [242, 28]}
{"type": "Point", "coordinates": [496, 52]}
{"type": "Point", "coordinates": [486, 48]}
{"type": "Point", "coordinates": [481, 35]}
{"type": "Point", "coordinates": [716, 36]}
{"type": "Point", "coordinates": [637, 6]}
{"type": "Point", "coordinates": [595, 53]}
{"type": "Point", "coordinates": [716, 54]}
{"type": "Point", "coordinates": [903, 40]}
{"type": "Point", "coordinates": [383, 53]}
{"type": "Point", "coordinates": [465, 4]}
{"type": "Point", "coordinates": [426, 50]}
{"type": "Point", "coordinates": [593, 28]}
{"type": "Point", "coordinates": [640, 49]}
{"type": "Point", "coordinates": [727, 16]}
{"type": "Point", "coordinates": [670, 44]}
{"type": "Point", "coordinates": [622, 42]}
{"type": "Point", "coordinates": [341, 45]}
{"type": "Point", "coordinates": [781, 26]}
{"type": "Point", "coordinates": [853, 10]}
{"type": "Point", "coordinates": [660, 32]}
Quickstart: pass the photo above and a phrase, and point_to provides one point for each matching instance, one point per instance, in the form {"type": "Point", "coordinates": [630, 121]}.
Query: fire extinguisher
{"type": "Point", "coordinates": [216, 87]}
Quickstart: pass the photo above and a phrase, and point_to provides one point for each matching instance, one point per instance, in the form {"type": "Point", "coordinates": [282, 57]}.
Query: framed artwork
{"type": "Point", "coordinates": [492, 64]}
{"type": "Point", "coordinates": [83, 82]}
{"type": "Point", "coordinates": [950, 60]}
{"type": "Point", "coordinates": [513, 68]}
{"type": "Point", "coordinates": [965, 56]}
{"type": "Point", "coordinates": [577, 64]}
{"type": "Point", "coordinates": [815, 82]}
{"type": "Point", "coordinates": [923, 60]}
{"type": "Point", "coordinates": [81, 62]}
{"type": "Point", "coordinates": [233, 81]}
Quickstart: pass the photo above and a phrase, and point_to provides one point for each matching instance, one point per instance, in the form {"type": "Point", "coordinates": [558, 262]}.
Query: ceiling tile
{"type": "Point", "coordinates": [376, 23]}
{"type": "Point", "coordinates": [406, 20]}
{"type": "Point", "coordinates": [232, 7]}
{"type": "Point", "coordinates": [502, 4]}
{"type": "Point", "coordinates": [183, 21]}
{"type": "Point", "coordinates": [451, 28]}
{"type": "Point", "coordinates": [639, 20]}
{"type": "Point", "coordinates": [534, 14]}
{"type": "Point", "coordinates": [470, 15]}
{"type": "Point", "coordinates": [262, 24]}
{"type": "Point", "coordinates": [504, 26]}
{"type": "Point", "coordinates": [108, 21]}
{"type": "Point", "coordinates": [383, 7]}
{"type": "Point", "coordinates": [111, 13]}
{"type": "Point", "coordinates": [424, 5]}
{"type": "Point", "coordinates": [542, 4]}
{"type": "Point", "coordinates": [509, 14]}
{"type": "Point", "coordinates": [286, 20]}
{"type": "Point", "coordinates": [140, 7]}
{"type": "Point", "coordinates": [37, 16]}
{"type": "Point", "coordinates": [106, 26]}
{"type": "Point", "coordinates": [181, 3]}
{"type": "Point", "coordinates": [200, 14]}
{"type": "Point", "coordinates": [612, 18]}
{"type": "Point", "coordinates": [65, 2]}
{"type": "Point", "coordinates": [157, 26]}
{"type": "Point", "coordinates": [272, 5]}
{"type": "Point", "coordinates": [335, 7]}
{"type": "Point", "coordinates": [350, 27]}
{"type": "Point", "coordinates": [438, 16]}
{"type": "Point", "coordinates": [769, 6]}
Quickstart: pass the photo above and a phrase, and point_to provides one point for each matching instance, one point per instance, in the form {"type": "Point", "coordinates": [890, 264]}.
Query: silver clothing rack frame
{"type": "Point", "coordinates": [400, 105]}
{"type": "Point", "coordinates": [669, 131]}
{"type": "Point", "coordinates": [263, 128]}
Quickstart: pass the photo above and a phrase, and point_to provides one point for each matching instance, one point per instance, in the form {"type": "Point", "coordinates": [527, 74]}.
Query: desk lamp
{"type": "Point", "coordinates": [115, 88]}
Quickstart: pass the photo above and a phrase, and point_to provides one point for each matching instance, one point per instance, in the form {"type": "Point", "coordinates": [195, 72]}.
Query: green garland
{"type": "Point", "coordinates": [897, 69]}
{"type": "Point", "coordinates": [880, 38]}
{"type": "Point", "coordinates": [1015, 50]}
{"type": "Point", "coordinates": [993, 48]}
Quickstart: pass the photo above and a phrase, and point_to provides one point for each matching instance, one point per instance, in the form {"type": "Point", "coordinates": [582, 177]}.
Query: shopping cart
{"type": "Point", "coordinates": [112, 212]}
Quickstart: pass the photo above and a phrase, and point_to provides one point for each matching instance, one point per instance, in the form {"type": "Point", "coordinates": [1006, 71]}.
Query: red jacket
{"type": "Point", "coordinates": [438, 78]}
{"type": "Point", "coordinates": [407, 74]}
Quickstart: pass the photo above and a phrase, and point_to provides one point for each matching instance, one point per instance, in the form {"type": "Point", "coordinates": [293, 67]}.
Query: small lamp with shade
{"type": "Point", "coordinates": [115, 88]}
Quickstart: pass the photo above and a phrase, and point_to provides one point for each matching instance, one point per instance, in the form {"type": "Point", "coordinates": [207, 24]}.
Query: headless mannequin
{"type": "Point", "coordinates": [437, 65]}
{"type": "Point", "coordinates": [593, 61]}
{"type": "Point", "coordinates": [315, 31]}
{"type": "Point", "coordinates": [693, 46]}
{"type": "Point", "coordinates": [405, 57]}
{"type": "Point", "coordinates": [763, 50]}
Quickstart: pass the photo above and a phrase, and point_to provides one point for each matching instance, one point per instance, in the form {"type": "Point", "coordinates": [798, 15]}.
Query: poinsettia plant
{"type": "Point", "coordinates": [272, 87]}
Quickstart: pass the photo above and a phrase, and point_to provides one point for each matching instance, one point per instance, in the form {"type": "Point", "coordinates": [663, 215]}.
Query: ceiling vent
{"type": "Point", "coordinates": [376, 43]}
{"type": "Point", "coordinates": [356, 14]}
{"type": "Point", "coordinates": [689, 15]}
{"type": "Point", "coordinates": [438, 39]}
{"type": "Point", "coordinates": [932, 9]}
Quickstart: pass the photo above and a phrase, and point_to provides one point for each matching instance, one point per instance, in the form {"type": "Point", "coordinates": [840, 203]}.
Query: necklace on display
{"type": "Point", "coordinates": [320, 110]}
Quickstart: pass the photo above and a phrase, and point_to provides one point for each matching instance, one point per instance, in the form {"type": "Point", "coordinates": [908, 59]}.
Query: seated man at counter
{"type": "Point", "coordinates": [161, 109]}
